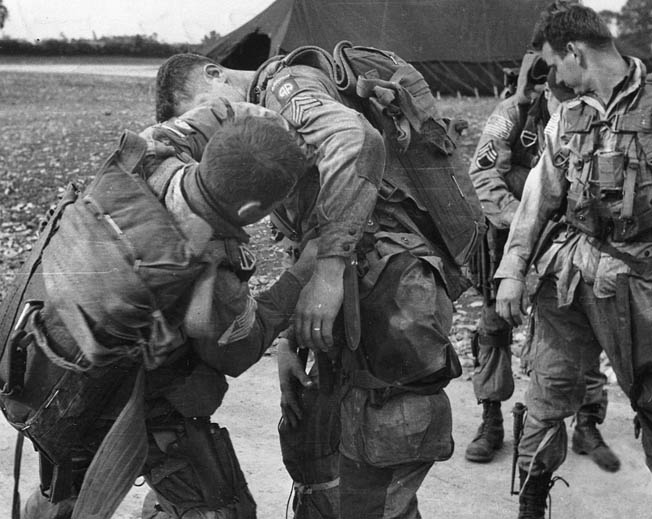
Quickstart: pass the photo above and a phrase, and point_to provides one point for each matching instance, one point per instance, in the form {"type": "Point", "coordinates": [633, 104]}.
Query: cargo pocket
{"type": "Point", "coordinates": [408, 428]}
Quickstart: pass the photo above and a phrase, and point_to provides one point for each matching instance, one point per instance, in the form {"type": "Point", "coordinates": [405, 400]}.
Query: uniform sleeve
{"type": "Point", "coordinates": [245, 326]}
{"type": "Point", "coordinates": [350, 154]}
{"type": "Point", "coordinates": [544, 194]}
{"type": "Point", "coordinates": [493, 160]}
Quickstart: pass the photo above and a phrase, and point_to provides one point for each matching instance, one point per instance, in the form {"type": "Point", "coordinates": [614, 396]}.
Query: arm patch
{"type": "Point", "coordinates": [499, 127]}
{"type": "Point", "coordinates": [242, 324]}
{"type": "Point", "coordinates": [487, 155]}
{"type": "Point", "coordinates": [284, 88]}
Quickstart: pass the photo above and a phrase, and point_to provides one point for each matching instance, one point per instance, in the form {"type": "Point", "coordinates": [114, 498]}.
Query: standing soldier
{"type": "Point", "coordinates": [510, 145]}
{"type": "Point", "coordinates": [595, 285]}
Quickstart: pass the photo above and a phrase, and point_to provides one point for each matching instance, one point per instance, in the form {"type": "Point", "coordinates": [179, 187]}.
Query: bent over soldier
{"type": "Point", "coordinates": [248, 167]}
{"type": "Point", "coordinates": [510, 145]}
{"type": "Point", "coordinates": [384, 456]}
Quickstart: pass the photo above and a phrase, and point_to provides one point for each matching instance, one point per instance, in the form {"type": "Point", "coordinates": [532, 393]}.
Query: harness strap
{"type": "Point", "coordinates": [641, 267]}
{"type": "Point", "coordinates": [118, 461]}
{"type": "Point", "coordinates": [309, 488]}
{"type": "Point", "coordinates": [18, 457]}
{"type": "Point", "coordinates": [14, 298]}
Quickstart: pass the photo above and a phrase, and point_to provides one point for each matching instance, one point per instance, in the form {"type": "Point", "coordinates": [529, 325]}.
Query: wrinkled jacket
{"type": "Point", "coordinates": [241, 327]}
{"type": "Point", "coordinates": [572, 253]}
{"type": "Point", "coordinates": [505, 153]}
{"type": "Point", "coordinates": [349, 156]}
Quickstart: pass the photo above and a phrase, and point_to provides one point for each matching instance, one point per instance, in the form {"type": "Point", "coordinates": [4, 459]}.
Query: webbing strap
{"type": "Point", "coordinates": [309, 488]}
{"type": "Point", "coordinates": [118, 461]}
{"type": "Point", "coordinates": [18, 458]}
{"type": "Point", "coordinates": [14, 298]}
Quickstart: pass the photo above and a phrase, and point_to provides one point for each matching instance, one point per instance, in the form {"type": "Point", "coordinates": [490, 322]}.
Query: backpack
{"type": "Point", "coordinates": [106, 273]}
{"type": "Point", "coordinates": [397, 100]}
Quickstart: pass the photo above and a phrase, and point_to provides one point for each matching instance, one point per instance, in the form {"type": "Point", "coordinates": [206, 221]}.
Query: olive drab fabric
{"type": "Point", "coordinates": [399, 102]}
{"type": "Point", "coordinates": [118, 263]}
{"type": "Point", "coordinates": [420, 145]}
{"type": "Point", "coordinates": [92, 276]}
{"type": "Point", "coordinates": [610, 193]}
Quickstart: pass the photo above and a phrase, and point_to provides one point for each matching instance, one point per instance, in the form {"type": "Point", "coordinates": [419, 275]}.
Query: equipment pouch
{"type": "Point", "coordinates": [609, 171]}
{"type": "Point", "coordinates": [589, 216]}
{"type": "Point", "coordinates": [407, 428]}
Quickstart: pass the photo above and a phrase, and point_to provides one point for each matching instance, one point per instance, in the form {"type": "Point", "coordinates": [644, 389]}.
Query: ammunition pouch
{"type": "Point", "coordinates": [589, 216]}
{"type": "Point", "coordinates": [198, 467]}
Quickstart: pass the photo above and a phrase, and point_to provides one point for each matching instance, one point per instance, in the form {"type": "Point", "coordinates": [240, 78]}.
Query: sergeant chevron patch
{"type": "Point", "coordinates": [241, 325]}
{"type": "Point", "coordinates": [301, 104]}
{"type": "Point", "coordinates": [487, 155]}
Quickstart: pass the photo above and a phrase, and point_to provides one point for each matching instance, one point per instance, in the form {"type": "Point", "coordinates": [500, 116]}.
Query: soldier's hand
{"type": "Point", "coordinates": [511, 301]}
{"type": "Point", "coordinates": [291, 376]}
{"type": "Point", "coordinates": [319, 303]}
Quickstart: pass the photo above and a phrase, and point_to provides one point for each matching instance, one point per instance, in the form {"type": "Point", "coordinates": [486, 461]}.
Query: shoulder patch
{"type": "Point", "coordinates": [552, 124]}
{"type": "Point", "coordinates": [242, 324]}
{"type": "Point", "coordinates": [487, 155]}
{"type": "Point", "coordinates": [498, 126]}
{"type": "Point", "coordinates": [182, 125]}
{"type": "Point", "coordinates": [284, 88]}
{"type": "Point", "coordinates": [301, 105]}
{"type": "Point", "coordinates": [528, 138]}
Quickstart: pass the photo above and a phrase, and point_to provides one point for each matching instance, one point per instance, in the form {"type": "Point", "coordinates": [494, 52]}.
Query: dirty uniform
{"type": "Point", "coordinates": [509, 147]}
{"type": "Point", "coordinates": [595, 286]}
{"type": "Point", "coordinates": [389, 439]}
{"type": "Point", "coordinates": [190, 463]}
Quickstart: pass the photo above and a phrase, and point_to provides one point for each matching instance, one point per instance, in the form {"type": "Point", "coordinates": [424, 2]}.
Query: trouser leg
{"type": "Point", "coordinates": [587, 438]}
{"type": "Point", "coordinates": [380, 493]}
{"type": "Point", "coordinates": [562, 340]}
{"type": "Point", "coordinates": [634, 370]}
{"type": "Point", "coordinates": [492, 377]}
{"type": "Point", "coordinates": [493, 383]}
{"type": "Point", "coordinates": [194, 472]}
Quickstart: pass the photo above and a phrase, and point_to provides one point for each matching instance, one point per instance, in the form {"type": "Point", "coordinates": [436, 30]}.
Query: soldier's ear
{"type": "Point", "coordinates": [213, 71]}
{"type": "Point", "coordinates": [575, 49]}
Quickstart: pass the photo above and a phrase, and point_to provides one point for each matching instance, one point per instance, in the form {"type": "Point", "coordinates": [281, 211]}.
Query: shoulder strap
{"type": "Point", "coordinates": [118, 461]}
{"type": "Point", "coordinates": [14, 299]}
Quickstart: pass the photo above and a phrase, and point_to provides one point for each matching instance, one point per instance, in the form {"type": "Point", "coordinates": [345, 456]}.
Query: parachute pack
{"type": "Point", "coordinates": [421, 162]}
{"type": "Point", "coordinates": [97, 299]}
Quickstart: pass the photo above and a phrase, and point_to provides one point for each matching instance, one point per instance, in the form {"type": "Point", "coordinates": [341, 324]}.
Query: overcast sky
{"type": "Point", "coordinates": [174, 21]}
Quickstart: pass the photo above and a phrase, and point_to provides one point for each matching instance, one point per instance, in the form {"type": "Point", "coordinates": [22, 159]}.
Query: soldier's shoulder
{"type": "Point", "coordinates": [503, 121]}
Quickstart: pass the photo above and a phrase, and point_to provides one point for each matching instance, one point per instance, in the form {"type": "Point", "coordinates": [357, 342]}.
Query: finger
{"type": "Point", "coordinates": [299, 373]}
{"type": "Point", "coordinates": [289, 417]}
{"type": "Point", "coordinates": [295, 407]}
{"type": "Point", "coordinates": [304, 329]}
{"type": "Point", "coordinates": [327, 332]}
{"type": "Point", "coordinates": [317, 336]}
{"type": "Point", "coordinates": [515, 308]}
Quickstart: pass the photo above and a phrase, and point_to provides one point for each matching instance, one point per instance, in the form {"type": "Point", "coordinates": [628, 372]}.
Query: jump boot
{"type": "Point", "coordinates": [489, 437]}
{"type": "Point", "coordinates": [533, 498]}
{"type": "Point", "coordinates": [588, 440]}
{"type": "Point", "coordinates": [38, 506]}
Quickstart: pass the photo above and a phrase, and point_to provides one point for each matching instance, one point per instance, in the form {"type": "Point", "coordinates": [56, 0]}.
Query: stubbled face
{"type": "Point", "coordinates": [569, 71]}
